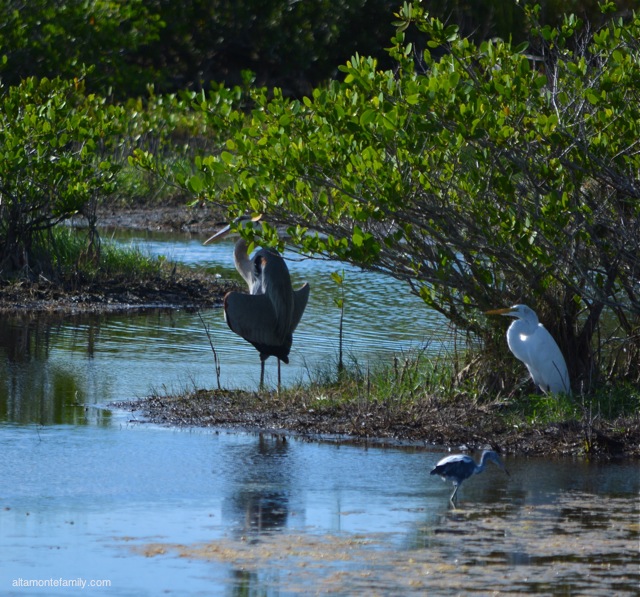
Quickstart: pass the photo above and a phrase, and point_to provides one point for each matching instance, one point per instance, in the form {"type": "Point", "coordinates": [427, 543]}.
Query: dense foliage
{"type": "Point", "coordinates": [176, 46]}
{"type": "Point", "coordinates": [52, 135]}
{"type": "Point", "coordinates": [58, 38]}
{"type": "Point", "coordinates": [64, 153]}
{"type": "Point", "coordinates": [479, 173]}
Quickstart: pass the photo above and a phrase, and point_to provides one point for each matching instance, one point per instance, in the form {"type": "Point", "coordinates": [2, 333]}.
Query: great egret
{"type": "Point", "coordinates": [270, 313]}
{"type": "Point", "coordinates": [459, 467]}
{"type": "Point", "coordinates": [531, 343]}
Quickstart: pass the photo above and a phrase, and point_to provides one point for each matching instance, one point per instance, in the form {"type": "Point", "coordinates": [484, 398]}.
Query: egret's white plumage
{"type": "Point", "coordinates": [459, 467]}
{"type": "Point", "coordinates": [531, 343]}
{"type": "Point", "coordinates": [270, 313]}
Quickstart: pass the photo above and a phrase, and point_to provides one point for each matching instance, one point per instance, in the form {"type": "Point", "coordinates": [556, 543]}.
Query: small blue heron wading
{"type": "Point", "coordinates": [459, 467]}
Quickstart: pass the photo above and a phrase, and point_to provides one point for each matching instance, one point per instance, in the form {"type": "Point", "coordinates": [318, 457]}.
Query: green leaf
{"type": "Point", "coordinates": [592, 97]}
{"type": "Point", "coordinates": [195, 184]}
{"type": "Point", "coordinates": [227, 158]}
{"type": "Point", "coordinates": [367, 117]}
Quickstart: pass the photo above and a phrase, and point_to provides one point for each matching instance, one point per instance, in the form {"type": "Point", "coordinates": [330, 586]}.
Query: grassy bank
{"type": "Point", "coordinates": [415, 400]}
{"type": "Point", "coordinates": [102, 275]}
{"type": "Point", "coordinates": [450, 400]}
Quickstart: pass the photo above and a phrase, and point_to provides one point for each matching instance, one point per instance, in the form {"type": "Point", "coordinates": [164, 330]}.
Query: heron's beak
{"type": "Point", "coordinates": [222, 233]}
{"type": "Point", "coordinates": [504, 311]}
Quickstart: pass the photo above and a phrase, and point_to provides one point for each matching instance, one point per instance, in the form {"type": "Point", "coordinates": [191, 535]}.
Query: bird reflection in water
{"type": "Point", "coordinates": [259, 502]}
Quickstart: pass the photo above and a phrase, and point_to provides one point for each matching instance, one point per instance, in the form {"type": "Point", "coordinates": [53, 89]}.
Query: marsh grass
{"type": "Point", "coordinates": [407, 377]}
{"type": "Point", "coordinates": [418, 390]}
{"type": "Point", "coordinates": [73, 255]}
{"type": "Point", "coordinates": [418, 379]}
{"type": "Point", "coordinates": [539, 409]}
{"type": "Point", "coordinates": [605, 404]}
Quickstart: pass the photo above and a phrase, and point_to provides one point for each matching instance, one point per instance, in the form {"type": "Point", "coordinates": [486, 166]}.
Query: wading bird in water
{"type": "Point", "coordinates": [459, 467]}
{"type": "Point", "coordinates": [531, 343]}
{"type": "Point", "coordinates": [270, 313]}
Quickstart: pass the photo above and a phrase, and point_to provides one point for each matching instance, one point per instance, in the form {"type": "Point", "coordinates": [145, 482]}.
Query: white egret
{"type": "Point", "coordinates": [531, 343]}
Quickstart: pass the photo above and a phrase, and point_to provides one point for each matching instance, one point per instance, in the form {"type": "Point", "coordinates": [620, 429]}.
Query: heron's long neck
{"type": "Point", "coordinates": [483, 462]}
{"type": "Point", "coordinates": [242, 262]}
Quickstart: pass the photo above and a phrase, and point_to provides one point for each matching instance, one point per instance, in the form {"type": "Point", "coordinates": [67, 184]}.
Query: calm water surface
{"type": "Point", "coordinates": [87, 496]}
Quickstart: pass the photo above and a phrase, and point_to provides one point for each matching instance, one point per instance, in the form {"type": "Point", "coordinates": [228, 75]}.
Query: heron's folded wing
{"type": "Point", "coordinates": [300, 299]}
{"type": "Point", "coordinates": [252, 317]}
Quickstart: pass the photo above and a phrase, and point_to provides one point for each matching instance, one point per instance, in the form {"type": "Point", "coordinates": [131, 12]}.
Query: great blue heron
{"type": "Point", "coordinates": [270, 313]}
{"type": "Point", "coordinates": [531, 343]}
{"type": "Point", "coordinates": [459, 467]}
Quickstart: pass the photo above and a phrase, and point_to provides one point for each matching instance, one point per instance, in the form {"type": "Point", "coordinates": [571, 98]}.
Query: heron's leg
{"type": "Point", "coordinates": [455, 491]}
{"type": "Point", "coordinates": [278, 375]}
{"type": "Point", "coordinates": [261, 374]}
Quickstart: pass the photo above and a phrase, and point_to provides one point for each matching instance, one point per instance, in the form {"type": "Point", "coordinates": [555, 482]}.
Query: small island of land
{"type": "Point", "coordinates": [336, 413]}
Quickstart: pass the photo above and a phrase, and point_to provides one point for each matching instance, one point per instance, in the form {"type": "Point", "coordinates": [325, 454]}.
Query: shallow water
{"type": "Point", "coordinates": [192, 512]}
{"type": "Point", "coordinates": [381, 318]}
{"type": "Point", "coordinates": [88, 495]}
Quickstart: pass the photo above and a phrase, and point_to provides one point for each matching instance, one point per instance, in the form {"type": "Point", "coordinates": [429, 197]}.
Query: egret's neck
{"type": "Point", "coordinates": [522, 327]}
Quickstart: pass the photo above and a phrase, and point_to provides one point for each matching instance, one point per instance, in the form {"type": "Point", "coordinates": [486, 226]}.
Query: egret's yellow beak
{"type": "Point", "coordinates": [504, 311]}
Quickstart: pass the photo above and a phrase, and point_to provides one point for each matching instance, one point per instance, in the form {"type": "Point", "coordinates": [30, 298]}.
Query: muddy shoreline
{"type": "Point", "coordinates": [192, 291]}
{"type": "Point", "coordinates": [460, 425]}
{"type": "Point", "coordinates": [197, 220]}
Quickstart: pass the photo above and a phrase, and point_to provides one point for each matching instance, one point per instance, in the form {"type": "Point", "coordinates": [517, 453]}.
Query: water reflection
{"type": "Point", "coordinates": [259, 487]}
{"type": "Point", "coordinates": [36, 388]}
{"type": "Point", "coordinates": [195, 512]}
{"type": "Point", "coordinates": [258, 500]}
